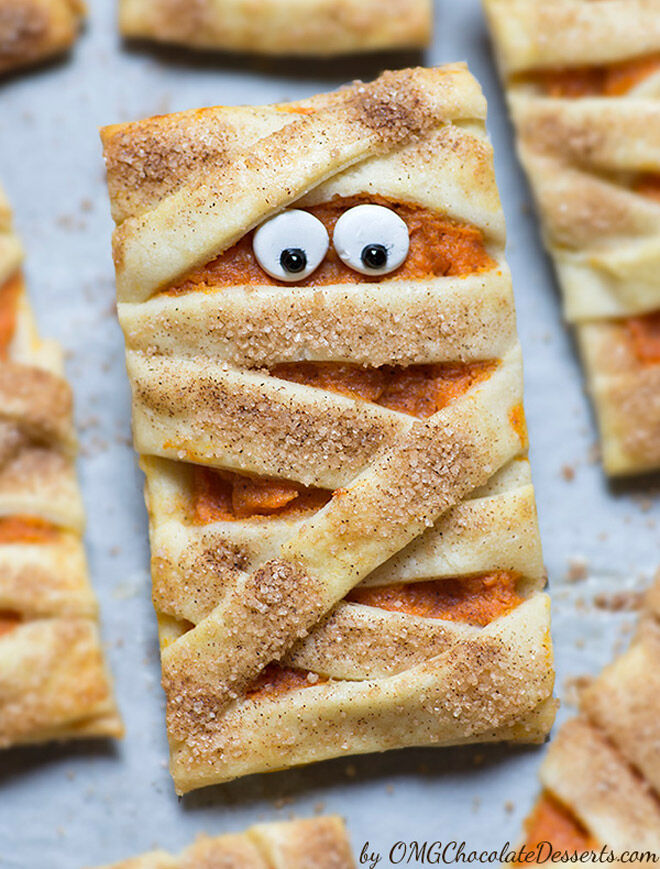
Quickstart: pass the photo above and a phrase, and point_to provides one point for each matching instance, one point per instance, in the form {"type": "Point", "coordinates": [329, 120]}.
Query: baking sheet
{"type": "Point", "coordinates": [64, 807]}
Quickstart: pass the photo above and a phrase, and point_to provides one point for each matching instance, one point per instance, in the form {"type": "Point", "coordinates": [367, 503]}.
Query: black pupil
{"type": "Point", "coordinates": [293, 260]}
{"type": "Point", "coordinates": [374, 256]}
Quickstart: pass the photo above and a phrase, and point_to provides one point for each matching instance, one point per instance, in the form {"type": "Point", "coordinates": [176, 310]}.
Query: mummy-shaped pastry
{"type": "Point", "coordinates": [583, 81]}
{"type": "Point", "coordinates": [53, 681]}
{"type": "Point", "coordinates": [345, 548]}
{"type": "Point", "coordinates": [284, 27]}
{"type": "Point", "coordinates": [601, 775]}
{"type": "Point", "coordinates": [321, 843]}
{"type": "Point", "coordinates": [34, 30]}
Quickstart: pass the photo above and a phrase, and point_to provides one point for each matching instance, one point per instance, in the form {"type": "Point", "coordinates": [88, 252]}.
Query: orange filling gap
{"type": "Point", "coordinates": [644, 336]}
{"type": "Point", "coordinates": [552, 822]}
{"type": "Point", "coordinates": [9, 294]}
{"type": "Point", "coordinates": [9, 620]}
{"type": "Point", "coordinates": [648, 184]}
{"type": "Point", "coordinates": [225, 496]}
{"type": "Point", "coordinates": [475, 600]}
{"type": "Point", "coordinates": [27, 529]}
{"type": "Point", "coordinates": [276, 680]}
{"type": "Point", "coordinates": [608, 80]}
{"type": "Point", "coordinates": [418, 390]}
{"type": "Point", "coordinates": [439, 247]}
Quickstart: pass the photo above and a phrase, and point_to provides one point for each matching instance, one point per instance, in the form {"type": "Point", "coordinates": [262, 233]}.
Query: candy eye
{"type": "Point", "coordinates": [291, 246]}
{"type": "Point", "coordinates": [371, 239]}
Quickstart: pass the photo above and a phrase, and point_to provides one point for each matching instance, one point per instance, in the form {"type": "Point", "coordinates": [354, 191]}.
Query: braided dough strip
{"type": "Point", "coordinates": [603, 765]}
{"type": "Point", "coordinates": [33, 30]}
{"type": "Point", "coordinates": [53, 680]}
{"type": "Point", "coordinates": [445, 700]}
{"type": "Point", "coordinates": [194, 567]}
{"type": "Point", "coordinates": [319, 842]}
{"type": "Point", "coordinates": [200, 221]}
{"type": "Point", "coordinates": [534, 35]}
{"type": "Point", "coordinates": [281, 27]}
{"type": "Point", "coordinates": [583, 157]}
{"type": "Point", "coordinates": [234, 596]}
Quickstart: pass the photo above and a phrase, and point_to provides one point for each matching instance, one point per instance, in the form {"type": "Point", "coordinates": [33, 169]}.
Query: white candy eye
{"type": "Point", "coordinates": [371, 239]}
{"type": "Point", "coordinates": [291, 246]}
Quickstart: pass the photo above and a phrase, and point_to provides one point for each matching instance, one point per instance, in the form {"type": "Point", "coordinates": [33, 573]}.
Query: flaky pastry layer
{"type": "Point", "coordinates": [53, 680]}
{"type": "Point", "coordinates": [267, 660]}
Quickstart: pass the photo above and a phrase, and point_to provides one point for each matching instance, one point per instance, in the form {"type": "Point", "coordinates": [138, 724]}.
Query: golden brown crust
{"type": "Point", "coordinates": [53, 680]}
{"type": "Point", "coordinates": [627, 394]}
{"type": "Point", "coordinates": [33, 30]}
{"type": "Point", "coordinates": [204, 218]}
{"type": "Point", "coordinates": [535, 35]}
{"type": "Point", "coordinates": [603, 766]}
{"type": "Point", "coordinates": [321, 843]}
{"type": "Point", "coordinates": [281, 27]}
{"type": "Point", "coordinates": [585, 154]}
{"type": "Point", "coordinates": [412, 498]}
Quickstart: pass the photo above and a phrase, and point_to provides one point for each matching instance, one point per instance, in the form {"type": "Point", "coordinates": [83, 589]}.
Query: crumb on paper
{"type": "Point", "coordinates": [619, 601]}
{"type": "Point", "coordinates": [577, 569]}
{"type": "Point", "coordinates": [509, 807]}
{"type": "Point", "coordinates": [568, 473]}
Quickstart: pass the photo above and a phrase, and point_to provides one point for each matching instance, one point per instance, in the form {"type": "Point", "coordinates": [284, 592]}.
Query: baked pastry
{"type": "Point", "coordinates": [321, 843]}
{"type": "Point", "coordinates": [583, 83]}
{"type": "Point", "coordinates": [284, 27]}
{"type": "Point", "coordinates": [53, 681]}
{"type": "Point", "coordinates": [345, 551]}
{"type": "Point", "coordinates": [34, 30]}
{"type": "Point", "coordinates": [601, 774]}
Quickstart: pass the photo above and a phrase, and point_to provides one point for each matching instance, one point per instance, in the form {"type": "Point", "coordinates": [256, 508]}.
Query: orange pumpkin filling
{"type": "Point", "coordinates": [26, 529]}
{"type": "Point", "coordinates": [418, 390]}
{"type": "Point", "coordinates": [644, 336]}
{"type": "Point", "coordinates": [612, 80]}
{"type": "Point", "coordinates": [648, 185]}
{"type": "Point", "coordinates": [275, 680]}
{"type": "Point", "coordinates": [519, 424]}
{"type": "Point", "coordinates": [475, 600]}
{"type": "Point", "coordinates": [8, 621]}
{"type": "Point", "coordinates": [9, 293]}
{"type": "Point", "coordinates": [224, 496]}
{"type": "Point", "coordinates": [552, 822]}
{"type": "Point", "coordinates": [438, 247]}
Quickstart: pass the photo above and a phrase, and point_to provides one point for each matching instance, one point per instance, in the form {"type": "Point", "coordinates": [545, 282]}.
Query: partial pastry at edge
{"type": "Point", "coordinates": [53, 680]}
{"type": "Point", "coordinates": [281, 27]}
{"type": "Point", "coordinates": [601, 773]}
{"type": "Point", "coordinates": [345, 550]}
{"type": "Point", "coordinates": [585, 100]}
{"type": "Point", "coordinates": [34, 30]}
{"type": "Point", "coordinates": [318, 842]}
